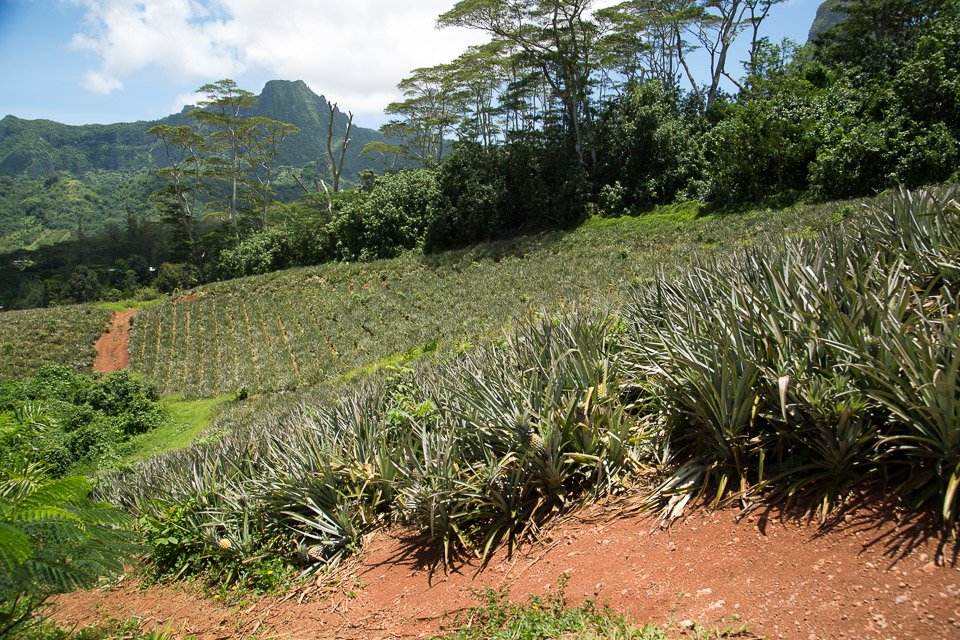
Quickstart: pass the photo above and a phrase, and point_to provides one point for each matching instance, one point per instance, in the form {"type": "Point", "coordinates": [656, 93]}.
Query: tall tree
{"type": "Point", "coordinates": [179, 200]}
{"type": "Point", "coordinates": [432, 108]}
{"type": "Point", "coordinates": [645, 40]}
{"type": "Point", "coordinates": [871, 38]}
{"type": "Point", "coordinates": [221, 112]}
{"type": "Point", "coordinates": [559, 38]}
{"type": "Point", "coordinates": [477, 75]}
{"type": "Point", "coordinates": [335, 163]}
{"type": "Point", "coordinates": [719, 24]}
{"type": "Point", "coordinates": [264, 138]}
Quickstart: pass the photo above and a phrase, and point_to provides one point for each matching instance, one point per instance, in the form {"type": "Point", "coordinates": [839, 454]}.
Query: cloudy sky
{"type": "Point", "coordinates": [99, 61]}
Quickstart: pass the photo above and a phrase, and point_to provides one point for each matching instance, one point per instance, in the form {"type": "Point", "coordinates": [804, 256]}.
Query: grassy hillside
{"type": "Point", "coordinates": [62, 335]}
{"type": "Point", "coordinates": [304, 326]}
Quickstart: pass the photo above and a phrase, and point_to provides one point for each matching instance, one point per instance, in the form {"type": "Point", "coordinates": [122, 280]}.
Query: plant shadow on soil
{"type": "Point", "coordinates": [884, 520]}
{"type": "Point", "coordinates": [898, 530]}
{"type": "Point", "coordinates": [420, 553]}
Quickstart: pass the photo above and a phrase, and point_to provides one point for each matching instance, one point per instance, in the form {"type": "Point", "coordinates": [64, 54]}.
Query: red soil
{"type": "Point", "coordinates": [872, 574]}
{"type": "Point", "coordinates": [113, 353]}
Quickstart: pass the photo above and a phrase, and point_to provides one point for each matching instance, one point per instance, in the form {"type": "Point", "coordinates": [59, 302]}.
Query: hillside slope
{"type": "Point", "coordinates": [301, 327]}
{"type": "Point", "coordinates": [38, 148]}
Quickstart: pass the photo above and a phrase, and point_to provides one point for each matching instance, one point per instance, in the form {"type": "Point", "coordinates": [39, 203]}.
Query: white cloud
{"type": "Point", "coordinates": [353, 52]}
{"type": "Point", "coordinates": [183, 100]}
{"type": "Point", "coordinates": [102, 83]}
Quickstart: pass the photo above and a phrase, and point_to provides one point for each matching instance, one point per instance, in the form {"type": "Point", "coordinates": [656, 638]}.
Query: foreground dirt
{"type": "Point", "coordinates": [113, 353]}
{"type": "Point", "coordinates": [869, 575]}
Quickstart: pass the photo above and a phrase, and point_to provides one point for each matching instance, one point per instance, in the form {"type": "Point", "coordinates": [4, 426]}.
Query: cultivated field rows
{"type": "Point", "coordinates": [61, 335]}
{"type": "Point", "coordinates": [305, 326]}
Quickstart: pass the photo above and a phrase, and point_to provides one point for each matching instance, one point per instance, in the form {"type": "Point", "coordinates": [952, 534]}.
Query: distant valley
{"type": "Point", "coordinates": [58, 180]}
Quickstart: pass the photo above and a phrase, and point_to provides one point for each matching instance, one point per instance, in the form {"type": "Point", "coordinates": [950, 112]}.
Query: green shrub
{"type": "Point", "coordinates": [64, 418]}
{"type": "Point", "coordinates": [393, 217]}
{"type": "Point", "coordinates": [172, 277]}
{"type": "Point", "coordinates": [645, 147]}
{"type": "Point", "coordinates": [53, 539]}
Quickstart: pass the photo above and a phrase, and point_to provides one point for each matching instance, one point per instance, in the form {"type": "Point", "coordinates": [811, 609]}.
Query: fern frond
{"type": "Point", "coordinates": [14, 546]}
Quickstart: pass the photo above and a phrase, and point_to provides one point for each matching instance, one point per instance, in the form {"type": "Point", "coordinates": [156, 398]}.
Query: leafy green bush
{"type": "Point", "coordinates": [475, 197]}
{"type": "Point", "coordinates": [760, 148]}
{"type": "Point", "coordinates": [64, 418]}
{"type": "Point", "coordinates": [172, 277]}
{"type": "Point", "coordinates": [84, 285]}
{"type": "Point", "coordinates": [254, 254]}
{"type": "Point", "coordinates": [393, 217]}
{"type": "Point", "coordinates": [645, 146]}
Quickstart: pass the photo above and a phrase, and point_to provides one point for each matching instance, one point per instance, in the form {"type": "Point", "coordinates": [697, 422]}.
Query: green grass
{"type": "Point", "coordinates": [60, 335]}
{"type": "Point", "coordinates": [131, 303]}
{"type": "Point", "coordinates": [307, 326]}
{"type": "Point", "coordinates": [187, 421]}
{"type": "Point", "coordinates": [390, 362]}
{"type": "Point", "coordinates": [496, 618]}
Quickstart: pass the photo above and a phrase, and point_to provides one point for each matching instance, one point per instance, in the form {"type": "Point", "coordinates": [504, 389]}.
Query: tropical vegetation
{"type": "Point", "coordinates": [799, 369]}
{"type": "Point", "coordinates": [565, 112]}
{"type": "Point", "coordinates": [627, 327]}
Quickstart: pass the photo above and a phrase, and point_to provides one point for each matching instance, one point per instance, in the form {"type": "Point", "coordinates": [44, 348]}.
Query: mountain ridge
{"type": "Point", "coordinates": [39, 148]}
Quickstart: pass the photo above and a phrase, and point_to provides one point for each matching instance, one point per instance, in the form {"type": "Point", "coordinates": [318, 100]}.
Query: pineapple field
{"type": "Point", "coordinates": [303, 327]}
{"type": "Point", "coordinates": [812, 370]}
{"type": "Point", "coordinates": [61, 335]}
{"type": "Point", "coordinates": [804, 358]}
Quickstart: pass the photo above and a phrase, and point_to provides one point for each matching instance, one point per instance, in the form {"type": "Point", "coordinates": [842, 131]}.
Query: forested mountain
{"type": "Point", "coordinates": [829, 15]}
{"type": "Point", "coordinates": [60, 181]}
{"type": "Point", "coordinates": [40, 148]}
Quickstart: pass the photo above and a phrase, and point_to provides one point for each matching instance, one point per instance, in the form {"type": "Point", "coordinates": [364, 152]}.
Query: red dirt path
{"type": "Point", "coordinates": [113, 353]}
{"type": "Point", "coordinates": [869, 576]}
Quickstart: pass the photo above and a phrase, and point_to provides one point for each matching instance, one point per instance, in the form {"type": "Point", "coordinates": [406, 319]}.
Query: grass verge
{"type": "Point", "coordinates": [131, 303]}
{"type": "Point", "coordinates": [496, 618]}
{"type": "Point", "coordinates": [187, 420]}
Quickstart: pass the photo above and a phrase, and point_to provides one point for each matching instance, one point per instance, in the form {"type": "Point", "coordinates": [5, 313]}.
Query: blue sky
{"type": "Point", "coordinates": [101, 61]}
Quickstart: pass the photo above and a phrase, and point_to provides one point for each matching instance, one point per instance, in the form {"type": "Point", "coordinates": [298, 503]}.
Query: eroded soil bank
{"type": "Point", "coordinates": [872, 574]}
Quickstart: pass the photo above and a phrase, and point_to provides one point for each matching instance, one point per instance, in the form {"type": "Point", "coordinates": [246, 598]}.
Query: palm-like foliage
{"type": "Point", "coordinates": [53, 539]}
{"type": "Point", "coordinates": [790, 367]}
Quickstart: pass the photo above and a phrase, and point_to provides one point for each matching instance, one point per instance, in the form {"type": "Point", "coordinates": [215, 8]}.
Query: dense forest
{"type": "Point", "coordinates": [566, 112]}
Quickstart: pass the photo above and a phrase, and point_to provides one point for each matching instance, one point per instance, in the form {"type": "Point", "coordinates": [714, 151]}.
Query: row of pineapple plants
{"type": "Point", "coordinates": [475, 452]}
{"type": "Point", "coordinates": [300, 327]}
{"type": "Point", "coordinates": [810, 367]}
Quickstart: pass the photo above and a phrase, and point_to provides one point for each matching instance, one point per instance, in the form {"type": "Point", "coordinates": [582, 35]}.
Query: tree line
{"type": "Point", "coordinates": [568, 112]}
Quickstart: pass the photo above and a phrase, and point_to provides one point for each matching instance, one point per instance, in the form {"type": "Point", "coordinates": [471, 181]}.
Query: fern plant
{"type": "Point", "coordinates": [53, 539]}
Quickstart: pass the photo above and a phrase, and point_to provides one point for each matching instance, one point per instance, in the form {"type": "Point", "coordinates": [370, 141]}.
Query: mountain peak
{"type": "Point", "coordinates": [288, 88]}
